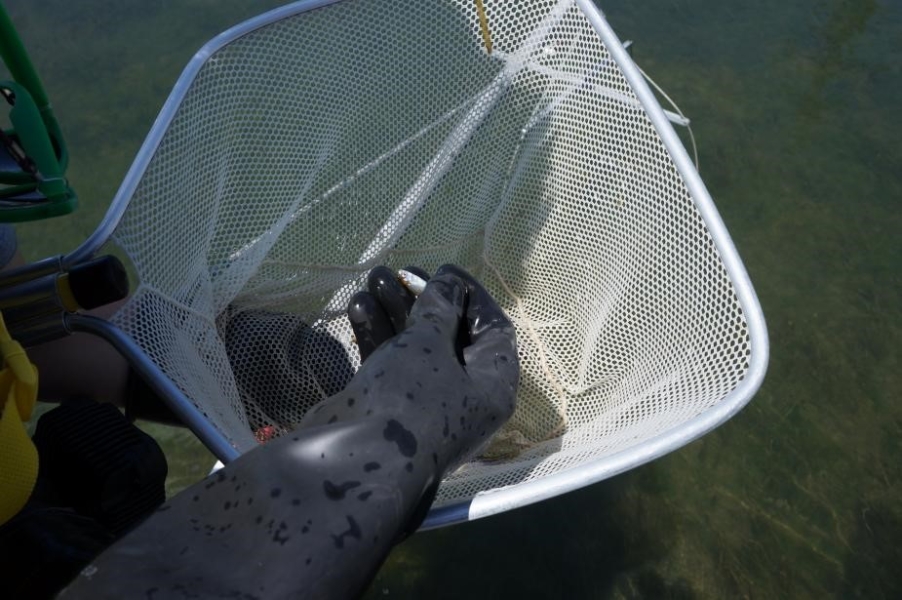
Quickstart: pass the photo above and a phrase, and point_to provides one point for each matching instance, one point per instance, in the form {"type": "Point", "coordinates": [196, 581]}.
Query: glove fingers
{"type": "Point", "coordinates": [483, 313]}
{"type": "Point", "coordinates": [394, 297]}
{"type": "Point", "coordinates": [370, 323]}
{"type": "Point", "coordinates": [491, 357]}
{"type": "Point", "coordinates": [442, 305]}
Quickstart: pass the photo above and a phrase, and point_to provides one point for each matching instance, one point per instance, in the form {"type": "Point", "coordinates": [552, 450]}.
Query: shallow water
{"type": "Point", "coordinates": [794, 111]}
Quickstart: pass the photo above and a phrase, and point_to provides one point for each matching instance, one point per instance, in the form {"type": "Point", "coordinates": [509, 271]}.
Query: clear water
{"type": "Point", "coordinates": [794, 106]}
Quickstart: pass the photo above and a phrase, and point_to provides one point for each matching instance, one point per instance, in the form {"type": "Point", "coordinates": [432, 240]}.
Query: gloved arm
{"type": "Point", "coordinates": [314, 513]}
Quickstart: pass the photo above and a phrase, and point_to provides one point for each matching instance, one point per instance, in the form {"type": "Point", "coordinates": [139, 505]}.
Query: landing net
{"type": "Point", "coordinates": [301, 151]}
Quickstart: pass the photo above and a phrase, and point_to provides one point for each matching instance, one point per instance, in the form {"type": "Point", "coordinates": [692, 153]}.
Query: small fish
{"type": "Point", "coordinates": [414, 283]}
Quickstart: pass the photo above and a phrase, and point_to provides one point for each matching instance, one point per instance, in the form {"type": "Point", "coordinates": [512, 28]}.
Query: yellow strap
{"type": "Point", "coordinates": [484, 26]}
{"type": "Point", "coordinates": [18, 456]}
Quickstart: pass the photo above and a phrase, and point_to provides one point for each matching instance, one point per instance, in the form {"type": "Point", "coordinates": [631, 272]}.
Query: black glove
{"type": "Point", "coordinates": [439, 398]}
{"type": "Point", "coordinates": [276, 377]}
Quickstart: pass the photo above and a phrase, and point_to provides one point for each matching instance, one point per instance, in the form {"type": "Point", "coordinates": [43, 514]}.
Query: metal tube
{"type": "Point", "coordinates": [180, 404]}
{"type": "Point", "coordinates": [52, 264]}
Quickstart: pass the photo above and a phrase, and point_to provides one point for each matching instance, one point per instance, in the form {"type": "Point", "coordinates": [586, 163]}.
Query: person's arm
{"type": "Point", "coordinates": [82, 365]}
{"type": "Point", "coordinates": [314, 513]}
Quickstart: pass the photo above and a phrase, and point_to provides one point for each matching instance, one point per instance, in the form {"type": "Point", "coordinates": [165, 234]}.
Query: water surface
{"type": "Point", "coordinates": [795, 111]}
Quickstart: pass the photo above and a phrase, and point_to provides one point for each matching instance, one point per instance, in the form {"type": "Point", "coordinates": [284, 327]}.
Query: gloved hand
{"type": "Point", "coordinates": [281, 366]}
{"type": "Point", "coordinates": [441, 394]}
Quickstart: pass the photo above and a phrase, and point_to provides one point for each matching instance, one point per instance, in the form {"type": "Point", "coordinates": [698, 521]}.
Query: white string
{"type": "Point", "coordinates": [678, 111]}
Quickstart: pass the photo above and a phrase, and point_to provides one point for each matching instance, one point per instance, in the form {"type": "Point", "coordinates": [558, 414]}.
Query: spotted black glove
{"type": "Point", "coordinates": [315, 512]}
{"type": "Point", "coordinates": [445, 383]}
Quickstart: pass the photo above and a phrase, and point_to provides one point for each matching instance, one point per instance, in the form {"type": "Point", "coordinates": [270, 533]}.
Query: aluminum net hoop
{"type": "Point", "coordinates": [306, 150]}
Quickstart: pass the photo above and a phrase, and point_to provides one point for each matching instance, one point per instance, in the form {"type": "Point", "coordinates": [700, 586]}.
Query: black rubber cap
{"type": "Point", "coordinates": [98, 282]}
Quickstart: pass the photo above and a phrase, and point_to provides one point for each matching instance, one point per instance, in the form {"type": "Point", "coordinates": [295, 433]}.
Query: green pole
{"type": "Point", "coordinates": [40, 190]}
{"type": "Point", "coordinates": [12, 50]}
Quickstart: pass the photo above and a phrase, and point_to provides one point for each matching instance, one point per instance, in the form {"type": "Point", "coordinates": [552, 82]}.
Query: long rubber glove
{"type": "Point", "coordinates": [314, 513]}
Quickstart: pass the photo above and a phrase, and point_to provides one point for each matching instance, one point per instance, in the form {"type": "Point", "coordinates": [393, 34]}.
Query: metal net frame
{"type": "Point", "coordinates": [518, 140]}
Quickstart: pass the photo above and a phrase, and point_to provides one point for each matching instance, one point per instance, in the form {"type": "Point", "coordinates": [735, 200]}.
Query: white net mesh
{"type": "Point", "coordinates": [382, 132]}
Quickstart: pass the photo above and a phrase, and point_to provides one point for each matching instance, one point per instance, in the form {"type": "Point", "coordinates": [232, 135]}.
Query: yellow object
{"type": "Point", "coordinates": [64, 291]}
{"type": "Point", "coordinates": [18, 456]}
{"type": "Point", "coordinates": [484, 25]}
